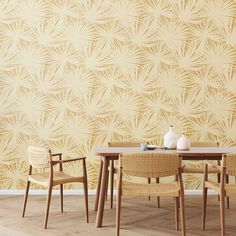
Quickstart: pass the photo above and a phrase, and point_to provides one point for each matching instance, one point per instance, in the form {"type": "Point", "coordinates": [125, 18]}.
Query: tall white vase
{"type": "Point", "coordinates": [170, 139]}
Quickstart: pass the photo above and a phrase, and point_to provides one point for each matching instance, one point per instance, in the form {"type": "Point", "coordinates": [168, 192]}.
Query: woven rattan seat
{"type": "Point", "coordinates": [198, 167]}
{"type": "Point", "coordinates": [194, 170]}
{"type": "Point", "coordinates": [150, 165]}
{"type": "Point", "coordinates": [59, 177]}
{"type": "Point", "coordinates": [224, 189]}
{"type": "Point", "coordinates": [43, 160]}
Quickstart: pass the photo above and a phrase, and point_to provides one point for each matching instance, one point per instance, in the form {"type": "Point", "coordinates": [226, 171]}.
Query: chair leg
{"type": "Point", "coordinates": [218, 179]}
{"type": "Point", "coordinates": [158, 198]}
{"type": "Point", "coordinates": [107, 183]}
{"type": "Point", "coordinates": [177, 213]}
{"type": "Point", "coordinates": [86, 200]}
{"type": "Point", "coordinates": [149, 181]}
{"type": "Point", "coordinates": [111, 181]}
{"type": "Point", "coordinates": [85, 183]}
{"type": "Point", "coordinates": [227, 198]}
{"type": "Point", "coordinates": [222, 214]}
{"type": "Point", "coordinates": [204, 208]}
{"type": "Point", "coordinates": [182, 210]}
{"type": "Point", "coordinates": [47, 206]}
{"type": "Point", "coordinates": [61, 194]}
{"type": "Point", "coordinates": [118, 209]}
{"type": "Point", "coordinates": [26, 197]}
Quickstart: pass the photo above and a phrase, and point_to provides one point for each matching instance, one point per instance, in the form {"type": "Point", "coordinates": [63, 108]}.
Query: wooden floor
{"type": "Point", "coordinates": [138, 217]}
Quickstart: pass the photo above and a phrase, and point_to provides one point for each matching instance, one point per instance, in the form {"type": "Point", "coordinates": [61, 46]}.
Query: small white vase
{"type": "Point", "coordinates": [170, 139]}
{"type": "Point", "coordinates": [183, 143]}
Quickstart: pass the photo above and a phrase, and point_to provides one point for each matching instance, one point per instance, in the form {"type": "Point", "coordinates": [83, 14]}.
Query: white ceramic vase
{"type": "Point", "coordinates": [183, 143]}
{"type": "Point", "coordinates": [170, 139]}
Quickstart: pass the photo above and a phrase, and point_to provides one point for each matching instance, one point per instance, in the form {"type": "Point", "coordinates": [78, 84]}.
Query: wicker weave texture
{"type": "Point", "coordinates": [162, 189]}
{"type": "Point", "coordinates": [124, 144]}
{"type": "Point", "coordinates": [38, 157]}
{"type": "Point", "coordinates": [230, 189]}
{"type": "Point", "coordinates": [199, 169]}
{"type": "Point", "coordinates": [213, 185]}
{"type": "Point", "coordinates": [193, 170]}
{"type": "Point", "coordinates": [59, 177]}
{"type": "Point", "coordinates": [149, 164]}
{"type": "Point", "coordinates": [229, 162]}
{"type": "Point", "coordinates": [204, 144]}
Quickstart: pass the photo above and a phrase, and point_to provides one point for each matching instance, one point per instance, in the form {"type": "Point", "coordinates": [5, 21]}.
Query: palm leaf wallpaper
{"type": "Point", "coordinates": [76, 74]}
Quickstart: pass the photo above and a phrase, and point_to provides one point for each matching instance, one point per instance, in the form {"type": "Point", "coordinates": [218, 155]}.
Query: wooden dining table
{"type": "Point", "coordinates": [112, 153]}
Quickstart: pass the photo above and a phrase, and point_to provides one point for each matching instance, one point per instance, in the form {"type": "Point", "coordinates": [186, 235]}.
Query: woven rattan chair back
{"type": "Point", "coordinates": [149, 164]}
{"type": "Point", "coordinates": [204, 144]}
{"type": "Point", "coordinates": [38, 157]}
{"type": "Point", "coordinates": [113, 164]}
{"type": "Point", "coordinates": [43, 158]}
{"type": "Point", "coordinates": [124, 144]}
{"type": "Point", "coordinates": [224, 188]}
{"type": "Point", "coordinates": [229, 162]}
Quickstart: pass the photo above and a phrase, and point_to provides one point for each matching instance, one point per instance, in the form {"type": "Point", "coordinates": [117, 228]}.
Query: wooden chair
{"type": "Point", "coordinates": [224, 189]}
{"type": "Point", "coordinates": [113, 168]}
{"type": "Point", "coordinates": [151, 165]}
{"type": "Point", "coordinates": [42, 159]}
{"type": "Point", "coordinates": [198, 170]}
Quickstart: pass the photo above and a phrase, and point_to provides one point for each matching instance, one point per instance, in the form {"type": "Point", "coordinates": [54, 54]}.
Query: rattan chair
{"type": "Point", "coordinates": [42, 159]}
{"type": "Point", "coordinates": [151, 165]}
{"type": "Point", "coordinates": [196, 170]}
{"type": "Point", "coordinates": [113, 168]}
{"type": "Point", "coordinates": [200, 170]}
{"type": "Point", "coordinates": [227, 167]}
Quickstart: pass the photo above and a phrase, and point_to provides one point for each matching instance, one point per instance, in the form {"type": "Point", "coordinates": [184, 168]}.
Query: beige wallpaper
{"type": "Point", "coordinates": [76, 74]}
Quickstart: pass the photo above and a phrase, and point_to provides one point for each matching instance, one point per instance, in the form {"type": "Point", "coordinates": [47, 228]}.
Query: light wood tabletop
{"type": "Point", "coordinates": [194, 153]}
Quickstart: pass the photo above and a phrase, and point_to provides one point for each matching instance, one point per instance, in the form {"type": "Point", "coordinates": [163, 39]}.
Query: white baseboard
{"type": "Point", "coordinates": [81, 192]}
{"type": "Point", "coordinates": [197, 192]}
{"type": "Point", "coordinates": [44, 192]}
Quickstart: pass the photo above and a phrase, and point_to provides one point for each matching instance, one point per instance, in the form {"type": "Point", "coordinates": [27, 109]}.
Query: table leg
{"type": "Point", "coordinates": [111, 181]}
{"type": "Point", "coordinates": [102, 193]}
{"type": "Point", "coordinates": [98, 186]}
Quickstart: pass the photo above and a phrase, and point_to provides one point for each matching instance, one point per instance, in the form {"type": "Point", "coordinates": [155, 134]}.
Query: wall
{"type": "Point", "coordinates": [77, 74]}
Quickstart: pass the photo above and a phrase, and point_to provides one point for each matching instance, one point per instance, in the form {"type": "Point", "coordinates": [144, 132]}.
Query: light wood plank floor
{"type": "Point", "coordinates": [138, 217]}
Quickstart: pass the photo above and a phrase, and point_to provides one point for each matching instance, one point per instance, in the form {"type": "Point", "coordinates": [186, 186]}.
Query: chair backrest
{"type": "Point", "coordinates": [204, 144]}
{"type": "Point", "coordinates": [38, 157]}
{"type": "Point", "coordinates": [123, 144]}
{"type": "Point", "coordinates": [150, 164]}
{"type": "Point", "coordinates": [229, 162]}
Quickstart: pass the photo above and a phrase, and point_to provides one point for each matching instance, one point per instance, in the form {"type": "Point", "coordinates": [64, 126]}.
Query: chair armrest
{"type": "Point", "coordinates": [65, 161]}
{"type": "Point", "coordinates": [182, 168]}
{"type": "Point", "coordinates": [56, 154]}
{"type": "Point", "coordinates": [212, 165]}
